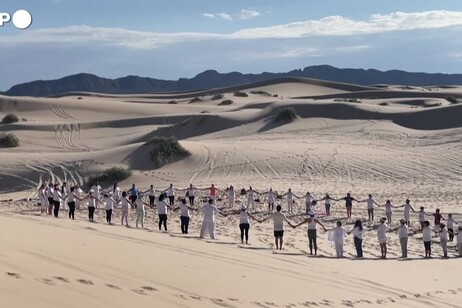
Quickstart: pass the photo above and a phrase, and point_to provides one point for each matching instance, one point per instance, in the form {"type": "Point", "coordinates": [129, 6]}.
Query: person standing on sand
{"type": "Point", "coordinates": [171, 195]}
{"type": "Point", "coordinates": [450, 225]}
{"type": "Point", "coordinates": [407, 211]}
{"type": "Point", "coordinates": [290, 200]}
{"type": "Point", "coordinates": [71, 198]}
{"type": "Point", "coordinates": [133, 194]}
{"type": "Point", "coordinates": [244, 223]}
{"type": "Point", "coordinates": [140, 211]}
{"type": "Point", "coordinates": [56, 200]}
{"type": "Point", "coordinates": [116, 193]}
{"type": "Point", "coordinates": [250, 199]}
{"type": "Point", "coordinates": [208, 224]}
{"type": "Point", "coordinates": [162, 210]}
{"type": "Point", "coordinates": [125, 204]}
{"type": "Point", "coordinates": [64, 192]}
{"type": "Point", "coordinates": [49, 192]}
{"type": "Point", "coordinates": [388, 210]}
{"type": "Point", "coordinates": [438, 218]}
{"type": "Point", "coordinates": [312, 232]}
{"type": "Point", "coordinates": [327, 203]}
{"type": "Point", "coordinates": [370, 207]}
{"type": "Point", "coordinates": [271, 199]}
{"type": "Point", "coordinates": [96, 190]}
{"type": "Point", "coordinates": [191, 193]}
{"type": "Point", "coordinates": [78, 195]}
{"type": "Point", "coordinates": [427, 239]}
{"type": "Point", "coordinates": [43, 201]}
{"type": "Point", "coordinates": [184, 215]}
{"type": "Point", "coordinates": [382, 237]}
{"type": "Point", "coordinates": [278, 225]}
{"type": "Point", "coordinates": [309, 199]}
{"type": "Point", "coordinates": [231, 196]}
{"type": "Point", "coordinates": [422, 217]}
{"type": "Point", "coordinates": [348, 204]}
{"type": "Point", "coordinates": [92, 202]}
{"type": "Point", "coordinates": [152, 195]}
{"type": "Point", "coordinates": [459, 240]}
{"type": "Point", "coordinates": [337, 236]}
{"type": "Point", "coordinates": [109, 207]}
{"type": "Point", "coordinates": [444, 239]}
{"type": "Point", "coordinates": [358, 237]}
{"type": "Point", "coordinates": [403, 234]}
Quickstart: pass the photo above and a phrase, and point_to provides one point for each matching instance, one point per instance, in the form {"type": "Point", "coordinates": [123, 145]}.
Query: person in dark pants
{"type": "Point", "coordinates": [358, 237]}
{"type": "Point", "coordinates": [56, 200]}
{"type": "Point", "coordinates": [244, 223]}
{"type": "Point", "coordinates": [184, 215]}
{"type": "Point", "coordinates": [162, 207]}
{"type": "Point", "coordinates": [71, 202]}
{"type": "Point", "coordinates": [312, 224]}
{"type": "Point", "coordinates": [92, 200]}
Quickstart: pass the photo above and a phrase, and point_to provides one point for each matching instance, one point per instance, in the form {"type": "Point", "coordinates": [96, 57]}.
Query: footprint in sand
{"type": "Point", "coordinates": [148, 288]}
{"type": "Point", "coordinates": [84, 281]}
{"type": "Point", "coordinates": [197, 298]}
{"type": "Point", "coordinates": [62, 279]}
{"type": "Point", "coordinates": [381, 301]}
{"type": "Point", "coordinates": [139, 291]}
{"type": "Point", "coordinates": [47, 281]}
{"type": "Point", "coordinates": [348, 303]}
{"type": "Point", "coordinates": [112, 286]}
{"type": "Point", "coordinates": [219, 302]}
{"type": "Point", "coordinates": [15, 275]}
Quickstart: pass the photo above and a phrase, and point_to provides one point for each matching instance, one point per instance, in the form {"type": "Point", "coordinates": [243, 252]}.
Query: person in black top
{"type": "Point", "coordinates": [348, 203]}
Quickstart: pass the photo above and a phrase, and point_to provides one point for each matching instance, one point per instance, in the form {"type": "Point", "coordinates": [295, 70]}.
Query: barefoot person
{"type": "Point", "coordinates": [450, 225]}
{"type": "Point", "coordinates": [388, 210]}
{"type": "Point", "coordinates": [151, 194]}
{"type": "Point", "coordinates": [422, 217]}
{"type": "Point", "coordinates": [184, 215]}
{"type": "Point", "coordinates": [125, 204]}
{"type": "Point", "coordinates": [140, 210]}
{"type": "Point", "coordinates": [327, 203]}
{"type": "Point", "coordinates": [407, 211]}
{"type": "Point", "coordinates": [459, 240]}
{"type": "Point", "coordinates": [92, 202]}
{"type": "Point", "coordinates": [290, 200]}
{"type": "Point", "coordinates": [71, 198]}
{"type": "Point", "coordinates": [208, 224]}
{"type": "Point", "coordinates": [438, 218]}
{"type": "Point", "coordinates": [337, 236]}
{"type": "Point", "coordinates": [57, 196]}
{"type": "Point", "coordinates": [403, 234]}
{"type": "Point", "coordinates": [171, 195]}
{"type": "Point", "coordinates": [110, 202]}
{"type": "Point", "coordinates": [244, 223]}
{"type": "Point", "coordinates": [382, 237]}
{"type": "Point", "coordinates": [444, 239]}
{"type": "Point", "coordinates": [427, 239]}
{"type": "Point", "coordinates": [43, 201]}
{"type": "Point", "coordinates": [231, 196]}
{"type": "Point", "coordinates": [49, 192]}
{"type": "Point", "coordinates": [133, 194]}
{"type": "Point", "coordinates": [312, 231]}
{"type": "Point", "coordinates": [348, 204]}
{"type": "Point", "coordinates": [370, 207]}
{"type": "Point", "coordinates": [271, 199]}
{"type": "Point", "coordinates": [278, 226]}
{"type": "Point", "coordinates": [162, 208]}
{"type": "Point", "coordinates": [358, 237]}
{"type": "Point", "coordinates": [309, 199]}
{"type": "Point", "coordinates": [250, 199]}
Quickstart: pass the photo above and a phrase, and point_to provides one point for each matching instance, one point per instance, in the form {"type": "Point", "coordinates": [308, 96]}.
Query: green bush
{"type": "Point", "coordinates": [264, 93]}
{"type": "Point", "coordinates": [173, 102]}
{"type": "Point", "coordinates": [195, 100]}
{"type": "Point", "coordinates": [240, 94]}
{"type": "Point", "coordinates": [226, 102]}
{"type": "Point", "coordinates": [452, 100]}
{"type": "Point", "coordinates": [286, 115]}
{"type": "Point", "coordinates": [10, 118]}
{"type": "Point", "coordinates": [9, 141]}
{"type": "Point", "coordinates": [166, 150]}
{"type": "Point", "coordinates": [217, 97]}
{"type": "Point", "coordinates": [113, 174]}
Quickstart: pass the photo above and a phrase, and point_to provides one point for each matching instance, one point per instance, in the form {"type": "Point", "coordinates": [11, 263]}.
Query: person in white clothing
{"type": "Point", "coordinates": [427, 239]}
{"type": "Point", "coordinates": [57, 197]}
{"type": "Point", "coordinates": [208, 224]}
{"type": "Point", "coordinates": [250, 199]}
{"type": "Point", "coordinates": [125, 204]}
{"type": "Point", "coordinates": [78, 192]}
{"type": "Point", "coordinates": [271, 199]}
{"type": "Point", "coordinates": [407, 211]}
{"type": "Point", "coordinates": [312, 231]}
{"type": "Point", "coordinates": [382, 237]}
{"type": "Point", "coordinates": [109, 202]}
{"type": "Point", "coordinates": [309, 202]}
{"type": "Point", "coordinates": [337, 236]}
{"type": "Point", "coordinates": [97, 189]}
{"type": "Point", "coordinates": [327, 204]}
{"type": "Point", "coordinates": [171, 194]}
{"type": "Point", "coordinates": [444, 237]}
{"type": "Point", "coordinates": [459, 240]}
{"type": "Point", "coordinates": [71, 199]}
{"type": "Point", "coordinates": [290, 200]}
{"type": "Point", "coordinates": [278, 226]}
{"type": "Point", "coordinates": [388, 210]}
{"type": "Point", "coordinates": [151, 194]}
{"type": "Point", "coordinates": [184, 215]}
{"type": "Point", "coordinates": [140, 211]}
{"type": "Point", "coordinates": [231, 196]}
{"type": "Point", "coordinates": [244, 223]}
{"type": "Point", "coordinates": [49, 192]}
{"type": "Point", "coordinates": [358, 237]}
{"type": "Point", "coordinates": [92, 203]}
{"type": "Point", "coordinates": [370, 207]}
{"type": "Point", "coordinates": [64, 191]}
{"type": "Point", "coordinates": [116, 193]}
{"type": "Point", "coordinates": [450, 225]}
{"type": "Point", "coordinates": [43, 201]}
{"type": "Point", "coordinates": [162, 210]}
{"type": "Point", "coordinates": [191, 194]}
{"type": "Point", "coordinates": [403, 234]}
{"type": "Point", "coordinates": [422, 217]}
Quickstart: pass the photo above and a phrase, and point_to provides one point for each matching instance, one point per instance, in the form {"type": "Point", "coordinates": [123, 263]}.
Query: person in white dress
{"type": "Point", "coordinates": [427, 239]}
{"type": "Point", "coordinates": [444, 237]}
{"type": "Point", "coordinates": [382, 237]}
{"type": "Point", "coordinates": [43, 201]}
{"type": "Point", "coordinates": [403, 235]}
{"type": "Point", "coordinates": [290, 200]}
{"type": "Point", "coordinates": [337, 236]}
{"type": "Point", "coordinates": [208, 224]}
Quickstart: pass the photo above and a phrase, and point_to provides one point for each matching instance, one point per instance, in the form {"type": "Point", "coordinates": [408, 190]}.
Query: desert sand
{"type": "Point", "coordinates": [392, 141]}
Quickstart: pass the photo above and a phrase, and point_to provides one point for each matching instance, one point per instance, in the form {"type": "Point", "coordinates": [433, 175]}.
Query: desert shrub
{"type": "Point", "coordinates": [205, 111]}
{"type": "Point", "coordinates": [80, 97]}
{"type": "Point", "coordinates": [226, 102]}
{"type": "Point", "coordinates": [166, 150]}
{"type": "Point", "coordinates": [173, 102]}
{"type": "Point", "coordinates": [195, 100]}
{"type": "Point", "coordinates": [264, 93]}
{"type": "Point", "coordinates": [9, 141]}
{"type": "Point", "coordinates": [286, 115]}
{"type": "Point", "coordinates": [275, 95]}
{"type": "Point", "coordinates": [240, 94]}
{"type": "Point", "coordinates": [384, 104]}
{"type": "Point", "coordinates": [452, 100]}
{"type": "Point", "coordinates": [217, 97]}
{"type": "Point", "coordinates": [113, 174]}
{"type": "Point", "coordinates": [353, 100]}
{"type": "Point", "coordinates": [432, 104]}
{"type": "Point", "coordinates": [10, 118]}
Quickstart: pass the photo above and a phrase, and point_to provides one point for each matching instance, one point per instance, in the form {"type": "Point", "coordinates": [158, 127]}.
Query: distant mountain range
{"type": "Point", "coordinates": [212, 79]}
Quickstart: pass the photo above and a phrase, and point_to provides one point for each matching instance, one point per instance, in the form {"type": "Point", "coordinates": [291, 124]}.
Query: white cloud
{"type": "Point", "coordinates": [248, 14]}
{"type": "Point", "coordinates": [328, 26]}
{"type": "Point", "coordinates": [208, 15]}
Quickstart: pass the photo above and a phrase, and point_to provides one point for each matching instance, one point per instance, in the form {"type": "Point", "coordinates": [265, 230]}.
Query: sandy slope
{"type": "Point", "coordinates": [391, 144]}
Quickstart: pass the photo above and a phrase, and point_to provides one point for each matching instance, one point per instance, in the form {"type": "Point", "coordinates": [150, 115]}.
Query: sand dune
{"type": "Point", "coordinates": [391, 141]}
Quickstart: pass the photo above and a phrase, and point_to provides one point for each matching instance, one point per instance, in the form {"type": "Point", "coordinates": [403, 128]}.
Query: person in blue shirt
{"type": "Point", "coordinates": [133, 194]}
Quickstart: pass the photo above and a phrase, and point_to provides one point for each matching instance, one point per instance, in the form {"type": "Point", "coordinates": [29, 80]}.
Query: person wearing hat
{"type": "Point", "coordinates": [312, 232]}
{"type": "Point", "coordinates": [382, 237]}
{"type": "Point", "coordinates": [459, 240]}
{"type": "Point", "coordinates": [444, 237]}
{"type": "Point", "coordinates": [208, 224]}
{"type": "Point", "coordinates": [403, 234]}
{"type": "Point", "coordinates": [244, 223]}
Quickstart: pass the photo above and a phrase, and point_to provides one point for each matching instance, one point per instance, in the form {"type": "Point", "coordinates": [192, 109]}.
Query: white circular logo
{"type": "Point", "coordinates": [22, 19]}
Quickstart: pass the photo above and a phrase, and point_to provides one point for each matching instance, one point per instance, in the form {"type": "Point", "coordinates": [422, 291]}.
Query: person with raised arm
{"type": "Point", "coordinates": [427, 239]}
{"type": "Point", "coordinates": [278, 226]}
{"type": "Point", "coordinates": [184, 215]}
{"type": "Point", "coordinates": [151, 194]}
{"type": "Point", "coordinates": [162, 210]}
{"type": "Point", "coordinates": [358, 231]}
{"type": "Point", "coordinates": [250, 198]}
{"type": "Point", "coordinates": [125, 205]}
{"type": "Point", "coordinates": [133, 194]}
{"type": "Point", "coordinates": [140, 210]}
{"type": "Point", "coordinates": [97, 189]}
{"type": "Point", "coordinates": [231, 196]}
{"type": "Point", "coordinates": [309, 202]}
{"type": "Point", "coordinates": [271, 197]}
{"type": "Point", "coordinates": [403, 234]}
{"type": "Point", "coordinates": [170, 195]}
{"type": "Point", "coordinates": [337, 236]}
{"type": "Point", "coordinates": [49, 192]}
{"type": "Point", "coordinates": [92, 203]}
{"type": "Point", "coordinates": [116, 192]}
{"type": "Point", "coordinates": [109, 202]}
{"type": "Point", "coordinates": [78, 192]}
{"type": "Point", "coordinates": [244, 223]}
{"type": "Point", "coordinates": [208, 224]}
{"type": "Point", "coordinates": [327, 203]}
{"type": "Point", "coordinates": [444, 237]}
{"type": "Point", "coordinates": [438, 218]}
{"type": "Point", "coordinates": [43, 201]}
{"type": "Point", "coordinates": [191, 194]}
{"type": "Point", "coordinates": [407, 211]}
{"type": "Point", "coordinates": [370, 207]}
{"type": "Point", "coordinates": [348, 204]}
{"type": "Point", "coordinates": [213, 192]}
{"type": "Point", "coordinates": [290, 200]}
{"type": "Point", "coordinates": [57, 196]}
{"type": "Point", "coordinates": [450, 225]}
{"type": "Point", "coordinates": [312, 232]}
{"type": "Point", "coordinates": [71, 199]}
{"type": "Point", "coordinates": [422, 217]}
{"type": "Point", "coordinates": [388, 210]}
{"type": "Point", "coordinates": [459, 240]}
{"type": "Point", "coordinates": [382, 237]}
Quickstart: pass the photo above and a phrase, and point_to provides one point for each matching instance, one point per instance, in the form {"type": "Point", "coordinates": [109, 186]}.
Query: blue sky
{"type": "Point", "coordinates": [181, 38]}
